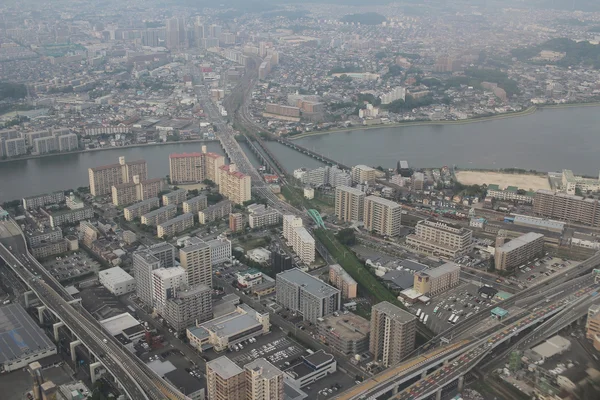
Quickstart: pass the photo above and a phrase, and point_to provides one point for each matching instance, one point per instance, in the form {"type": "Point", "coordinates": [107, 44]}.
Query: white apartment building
{"type": "Point", "coordinates": [261, 215]}
{"type": "Point", "coordinates": [165, 282]}
{"type": "Point", "coordinates": [304, 245]}
{"type": "Point", "coordinates": [220, 250]}
{"type": "Point", "coordinates": [349, 203]}
{"type": "Point", "coordinates": [116, 281]}
{"type": "Point", "coordinates": [289, 223]}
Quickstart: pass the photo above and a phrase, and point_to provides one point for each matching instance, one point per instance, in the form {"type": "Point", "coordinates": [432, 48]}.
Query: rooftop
{"type": "Point", "coordinates": [152, 200]}
{"type": "Point", "coordinates": [19, 334]}
{"type": "Point", "coordinates": [350, 190]}
{"type": "Point", "coordinates": [521, 241]}
{"type": "Point", "coordinates": [269, 371]}
{"type": "Point", "coordinates": [116, 274]}
{"type": "Point", "coordinates": [177, 219]}
{"type": "Point", "coordinates": [175, 193]}
{"type": "Point", "coordinates": [160, 210]}
{"type": "Point", "coordinates": [441, 270]}
{"type": "Point", "coordinates": [195, 199]}
{"type": "Point", "coordinates": [119, 323]}
{"type": "Point", "coordinates": [382, 201]}
{"type": "Point", "coordinates": [224, 367]}
{"type": "Point", "coordinates": [243, 318]}
{"type": "Point", "coordinates": [309, 283]}
{"type": "Point", "coordinates": [348, 326]}
{"type": "Point", "coordinates": [185, 155]}
{"type": "Point", "coordinates": [394, 312]}
{"type": "Point", "coordinates": [182, 380]}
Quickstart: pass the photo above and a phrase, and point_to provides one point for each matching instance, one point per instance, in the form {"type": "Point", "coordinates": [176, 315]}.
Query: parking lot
{"type": "Point", "coordinates": [537, 271]}
{"type": "Point", "coordinates": [462, 301]}
{"type": "Point", "coordinates": [71, 266]}
{"type": "Point", "coordinates": [281, 352]}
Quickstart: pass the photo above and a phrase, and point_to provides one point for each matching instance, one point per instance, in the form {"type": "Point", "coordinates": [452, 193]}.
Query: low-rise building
{"type": "Point", "coordinates": [175, 225]}
{"type": "Point", "coordinates": [437, 280]}
{"type": "Point", "coordinates": [249, 278]}
{"type": "Point", "coordinates": [312, 368]}
{"type": "Point", "coordinates": [511, 193]}
{"type": "Point", "coordinates": [64, 217]}
{"type": "Point", "coordinates": [138, 209]}
{"type": "Point", "coordinates": [441, 239]}
{"type": "Point", "coordinates": [261, 216]}
{"type": "Point", "coordinates": [214, 212]}
{"type": "Point", "coordinates": [346, 333]}
{"type": "Point", "coordinates": [220, 250]}
{"type": "Point", "coordinates": [195, 204]}
{"type": "Point", "coordinates": [159, 215]}
{"type": "Point", "coordinates": [229, 329]}
{"type": "Point", "coordinates": [41, 200]}
{"type": "Point", "coordinates": [116, 281]}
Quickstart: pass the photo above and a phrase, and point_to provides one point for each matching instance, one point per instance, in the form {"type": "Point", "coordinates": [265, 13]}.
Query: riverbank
{"type": "Point", "coordinates": [569, 105]}
{"type": "Point", "coordinates": [107, 148]}
{"type": "Point", "coordinates": [529, 111]}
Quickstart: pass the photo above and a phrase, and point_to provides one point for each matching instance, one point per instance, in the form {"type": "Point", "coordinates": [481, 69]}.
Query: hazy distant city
{"type": "Point", "coordinates": [271, 200]}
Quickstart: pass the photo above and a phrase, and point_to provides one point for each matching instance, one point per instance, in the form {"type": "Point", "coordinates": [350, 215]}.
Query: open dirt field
{"type": "Point", "coordinates": [527, 182]}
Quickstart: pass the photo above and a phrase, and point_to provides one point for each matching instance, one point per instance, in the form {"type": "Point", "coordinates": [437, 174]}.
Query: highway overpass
{"type": "Point", "coordinates": [135, 378]}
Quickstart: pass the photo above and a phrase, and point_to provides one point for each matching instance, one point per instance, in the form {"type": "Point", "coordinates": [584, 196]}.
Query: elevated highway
{"type": "Point", "coordinates": [134, 377]}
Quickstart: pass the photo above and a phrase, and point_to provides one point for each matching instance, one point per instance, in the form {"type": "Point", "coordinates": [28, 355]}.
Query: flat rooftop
{"type": "Point", "coordinates": [309, 283]}
{"type": "Point", "coordinates": [268, 370]}
{"type": "Point", "coordinates": [242, 319]}
{"type": "Point", "coordinates": [382, 201]}
{"type": "Point", "coordinates": [224, 367]}
{"type": "Point", "coordinates": [521, 241]}
{"type": "Point", "coordinates": [393, 311]}
{"type": "Point", "coordinates": [19, 334]}
{"type": "Point", "coordinates": [441, 270]}
{"type": "Point", "coordinates": [160, 211]}
{"type": "Point", "coordinates": [348, 326]}
{"type": "Point", "coordinates": [119, 323]}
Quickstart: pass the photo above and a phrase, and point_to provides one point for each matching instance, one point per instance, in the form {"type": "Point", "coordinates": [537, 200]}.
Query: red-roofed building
{"type": "Point", "coordinates": [194, 167]}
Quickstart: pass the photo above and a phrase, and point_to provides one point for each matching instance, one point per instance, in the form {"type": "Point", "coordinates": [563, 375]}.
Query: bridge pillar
{"type": "Point", "coordinates": [96, 371]}
{"type": "Point", "coordinates": [26, 296]}
{"type": "Point", "coordinates": [461, 383]}
{"type": "Point", "coordinates": [395, 390]}
{"type": "Point", "coordinates": [56, 327]}
{"type": "Point", "coordinates": [438, 394]}
{"type": "Point", "coordinates": [41, 313]}
{"type": "Point", "coordinates": [72, 346]}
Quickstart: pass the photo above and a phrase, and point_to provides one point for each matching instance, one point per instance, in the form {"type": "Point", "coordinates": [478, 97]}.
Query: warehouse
{"type": "Point", "coordinates": [117, 281]}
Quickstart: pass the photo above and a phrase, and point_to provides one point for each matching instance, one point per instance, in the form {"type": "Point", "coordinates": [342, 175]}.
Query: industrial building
{"type": "Point", "coordinates": [116, 281]}
{"type": "Point", "coordinates": [382, 216]}
{"type": "Point", "coordinates": [229, 329]}
{"type": "Point", "coordinates": [22, 340]}
{"type": "Point", "coordinates": [393, 333]}
{"type": "Point", "coordinates": [307, 295]}
{"type": "Point", "coordinates": [349, 203]}
{"type": "Point", "coordinates": [441, 239]}
{"type": "Point", "coordinates": [518, 251]}
{"type": "Point", "coordinates": [437, 280]}
{"type": "Point", "coordinates": [345, 333]}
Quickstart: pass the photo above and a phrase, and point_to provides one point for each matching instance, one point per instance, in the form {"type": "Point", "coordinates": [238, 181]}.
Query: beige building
{"type": "Point", "coordinates": [103, 178]}
{"type": "Point", "coordinates": [437, 280]}
{"type": "Point", "coordinates": [234, 185]}
{"type": "Point", "coordinates": [339, 278]}
{"type": "Point", "coordinates": [441, 239]}
{"type": "Point", "coordinates": [195, 204]}
{"type": "Point", "coordinates": [566, 207]}
{"type": "Point", "coordinates": [264, 381]}
{"type": "Point", "coordinates": [236, 222]}
{"type": "Point", "coordinates": [363, 173]}
{"type": "Point", "coordinates": [159, 215]}
{"type": "Point", "coordinates": [349, 203]}
{"type": "Point", "coordinates": [592, 325]}
{"type": "Point", "coordinates": [298, 238]}
{"type": "Point", "coordinates": [138, 209]}
{"type": "Point", "coordinates": [393, 333]}
{"type": "Point", "coordinates": [225, 380]}
{"type": "Point", "coordinates": [128, 193]}
{"type": "Point", "coordinates": [195, 167]}
{"type": "Point", "coordinates": [346, 333]}
{"type": "Point", "coordinates": [518, 251]}
{"type": "Point", "coordinates": [175, 225]}
{"type": "Point", "coordinates": [214, 212]}
{"type": "Point", "coordinates": [88, 233]}
{"type": "Point", "coordinates": [382, 216]}
{"type": "Point", "coordinates": [175, 197]}
{"type": "Point", "coordinates": [196, 261]}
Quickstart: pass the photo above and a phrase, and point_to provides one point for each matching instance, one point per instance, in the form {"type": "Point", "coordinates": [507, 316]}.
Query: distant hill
{"type": "Point", "coordinates": [369, 18]}
{"type": "Point", "coordinates": [576, 53]}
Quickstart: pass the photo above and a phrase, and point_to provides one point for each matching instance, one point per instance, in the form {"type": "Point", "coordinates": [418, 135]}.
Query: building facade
{"type": "Point", "coordinates": [138, 209]}
{"type": "Point", "coordinates": [234, 185]}
{"type": "Point", "coordinates": [565, 207]}
{"type": "Point", "coordinates": [393, 333]}
{"type": "Point", "coordinates": [339, 278]}
{"type": "Point", "coordinates": [225, 380]}
{"type": "Point", "coordinates": [441, 239]}
{"type": "Point", "coordinates": [349, 203]}
{"type": "Point", "coordinates": [347, 334]}
{"type": "Point", "coordinates": [382, 216]}
{"type": "Point", "coordinates": [195, 204]}
{"type": "Point", "coordinates": [196, 261]}
{"type": "Point", "coordinates": [363, 173]}
{"type": "Point", "coordinates": [103, 178]}
{"type": "Point", "coordinates": [189, 306]}
{"type": "Point", "coordinates": [175, 197]}
{"type": "Point", "coordinates": [437, 280]}
{"type": "Point", "coordinates": [175, 225]}
{"type": "Point", "coordinates": [519, 251]}
{"type": "Point", "coordinates": [264, 381]}
{"type": "Point", "coordinates": [159, 215]}
{"type": "Point", "coordinates": [214, 212]}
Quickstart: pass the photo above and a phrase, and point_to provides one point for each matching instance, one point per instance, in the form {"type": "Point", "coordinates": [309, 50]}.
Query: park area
{"type": "Point", "coordinates": [503, 180]}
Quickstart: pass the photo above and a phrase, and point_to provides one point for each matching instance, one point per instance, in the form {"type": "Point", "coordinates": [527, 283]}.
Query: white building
{"type": "Point", "coordinates": [220, 250]}
{"type": "Point", "coordinates": [261, 216]}
{"type": "Point", "coordinates": [398, 93]}
{"type": "Point", "coordinates": [165, 282]}
{"type": "Point", "coordinates": [304, 245]}
{"type": "Point", "coordinates": [116, 281]}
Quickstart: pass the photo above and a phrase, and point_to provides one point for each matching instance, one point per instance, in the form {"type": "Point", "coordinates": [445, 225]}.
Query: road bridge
{"type": "Point", "coordinates": [135, 378]}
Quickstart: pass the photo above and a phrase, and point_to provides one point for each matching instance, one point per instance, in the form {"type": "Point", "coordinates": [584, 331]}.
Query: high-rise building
{"type": "Point", "coordinates": [298, 238]}
{"type": "Point", "coordinates": [382, 216]}
{"type": "Point", "coordinates": [393, 333]}
{"type": "Point", "coordinates": [165, 252]}
{"type": "Point", "coordinates": [189, 305]}
{"type": "Point", "coordinates": [434, 281]}
{"type": "Point", "coordinates": [212, 164]}
{"type": "Point", "coordinates": [103, 178]}
{"type": "Point", "coordinates": [144, 262]}
{"type": "Point", "coordinates": [363, 173]}
{"type": "Point", "coordinates": [172, 40]}
{"type": "Point", "coordinates": [186, 167]}
{"type": "Point", "coordinates": [349, 203]}
{"type": "Point", "coordinates": [13, 147]}
{"type": "Point", "coordinates": [220, 250]}
{"type": "Point", "coordinates": [264, 381]}
{"type": "Point", "coordinates": [128, 193]}
{"type": "Point", "coordinates": [303, 293]}
{"type": "Point", "coordinates": [165, 282]}
{"type": "Point", "coordinates": [234, 185]}
{"type": "Point", "coordinates": [346, 333]}
{"type": "Point", "coordinates": [195, 259]}
{"type": "Point", "coordinates": [339, 278]}
{"type": "Point", "coordinates": [441, 238]}
{"type": "Point", "coordinates": [519, 251]}
{"type": "Point", "coordinates": [225, 380]}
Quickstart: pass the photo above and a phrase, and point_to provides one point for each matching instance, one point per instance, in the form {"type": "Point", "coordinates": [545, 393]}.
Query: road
{"type": "Point", "coordinates": [137, 380]}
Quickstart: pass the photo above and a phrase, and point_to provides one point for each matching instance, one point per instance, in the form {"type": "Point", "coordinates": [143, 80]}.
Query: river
{"type": "Point", "coordinates": [549, 140]}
